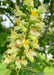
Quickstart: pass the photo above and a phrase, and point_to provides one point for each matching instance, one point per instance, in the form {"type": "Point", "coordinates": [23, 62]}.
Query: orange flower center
{"type": "Point", "coordinates": [35, 30]}
{"type": "Point", "coordinates": [28, 50]}
{"type": "Point", "coordinates": [8, 58]}
{"type": "Point", "coordinates": [16, 45]}
{"type": "Point", "coordinates": [23, 58]}
{"type": "Point", "coordinates": [17, 60]}
{"type": "Point", "coordinates": [22, 38]}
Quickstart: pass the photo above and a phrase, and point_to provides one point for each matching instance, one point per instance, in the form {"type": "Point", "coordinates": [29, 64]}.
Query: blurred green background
{"type": "Point", "coordinates": [45, 62]}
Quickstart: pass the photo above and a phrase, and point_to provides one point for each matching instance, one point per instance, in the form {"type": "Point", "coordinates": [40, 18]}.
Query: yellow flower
{"type": "Point", "coordinates": [33, 13]}
{"type": "Point", "coordinates": [13, 33]}
{"type": "Point", "coordinates": [18, 22]}
{"type": "Point", "coordinates": [18, 8]}
{"type": "Point", "coordinates": [11, 47]}
{"type": "Point", "coordinates": [26, 42]}
{"type": "Point", "coordinates": [41, 4]}
{"type": "Point", "coordinates": [36, 41]}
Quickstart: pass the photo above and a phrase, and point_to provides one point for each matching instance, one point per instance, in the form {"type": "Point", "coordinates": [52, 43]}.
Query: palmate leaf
{"type": "Point", "coordinates": [23, 71]}
{"type": "Point", "coordinates": [4, 70]}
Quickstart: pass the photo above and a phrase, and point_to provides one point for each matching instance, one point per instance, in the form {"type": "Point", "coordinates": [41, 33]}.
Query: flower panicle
{"type": "Point", "coordinates": [24, 38]}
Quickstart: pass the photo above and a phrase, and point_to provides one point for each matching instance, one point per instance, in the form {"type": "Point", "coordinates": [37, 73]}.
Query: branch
{"type": "Point", "coordinates": [8, 17]}
{"type": "Point", "coordinates": [18, 2]}
{"type": "Point", "coordinates": [8, 10]}
{"type": "Point", "coordinates": [38, 2]}
{"type": "Point", "coordinates": [50, 18]}
{"type": "Point", "coordinates": [51, 10]}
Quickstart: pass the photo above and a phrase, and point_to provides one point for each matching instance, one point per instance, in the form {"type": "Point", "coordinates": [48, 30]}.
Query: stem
{"type": "Point", "coordinates": [49, 21]}
{"type": "Point", "coordinates": [28, 31]}
{"type": "Point", "coordinates": [18, 2]}
{"type": "Point", "coordinates": [31, 69]}
{"type": "Point", "coordinates": [8, 17]}
{"type": "Point", "coordinates": [17, 72]}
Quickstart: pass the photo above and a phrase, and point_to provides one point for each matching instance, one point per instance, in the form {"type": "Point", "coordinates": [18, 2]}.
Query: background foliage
{"type": "Point", "coordinates": [8, 8]}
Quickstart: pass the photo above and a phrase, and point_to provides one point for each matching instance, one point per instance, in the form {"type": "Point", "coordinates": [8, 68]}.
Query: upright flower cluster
{"type": "Point", "coordinates": [24, 36]}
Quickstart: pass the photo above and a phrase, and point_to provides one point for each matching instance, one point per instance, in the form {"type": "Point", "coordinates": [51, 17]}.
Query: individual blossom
{"type": "Point", "coordinates": [18, 22]}
{"type": "Point", "coordinates": [23, 61]}
{"type": "Point", "coordinates": [30, 54]}
{"type": "Point", "coordinates": [18, 63]}
{"type": "Point", "coordinates": [7, 60]}
{"type": "Point", "coordinates": [14, 35]}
